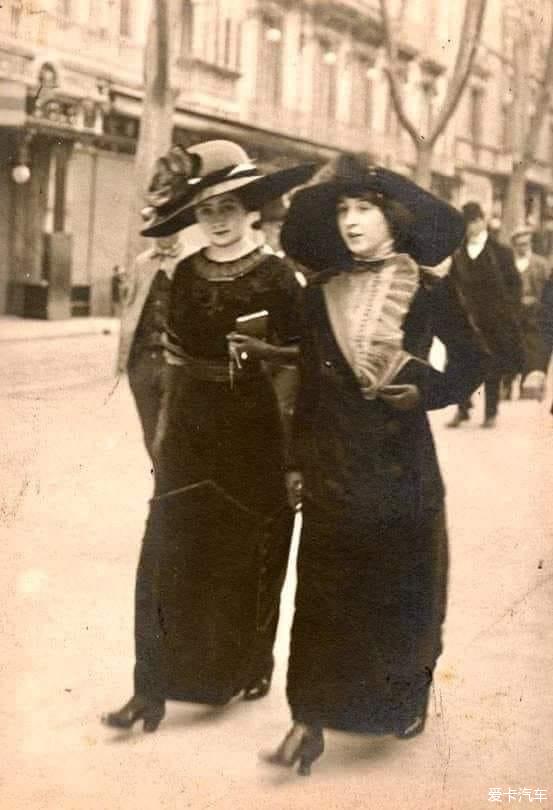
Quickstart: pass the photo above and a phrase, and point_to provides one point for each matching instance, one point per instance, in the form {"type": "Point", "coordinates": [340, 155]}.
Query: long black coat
{"type": "Point", "coordinates": [372, 566]}
{"type": "Point", "coordinates": [491, 290]}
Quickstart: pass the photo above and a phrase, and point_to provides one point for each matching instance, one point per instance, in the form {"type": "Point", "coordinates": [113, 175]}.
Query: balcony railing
{"type": "Point", "coordinates": [320, 130]}
{"type": "Point", "coordinates": [488, 158]}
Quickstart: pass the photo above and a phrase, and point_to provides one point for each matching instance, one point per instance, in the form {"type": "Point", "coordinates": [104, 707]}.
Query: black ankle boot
{"type": "Point", "coordinates": [302, 744]}
{"type": "Point", "coordinates": [138, 708]}
{"type": "Point", "coordinates": [461, 416]}
{"type": "Point", "coordinates": [257, 689]}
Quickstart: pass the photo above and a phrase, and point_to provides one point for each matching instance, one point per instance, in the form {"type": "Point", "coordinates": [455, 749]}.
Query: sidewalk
{"type": "Point", "coordinates": [14, 329]}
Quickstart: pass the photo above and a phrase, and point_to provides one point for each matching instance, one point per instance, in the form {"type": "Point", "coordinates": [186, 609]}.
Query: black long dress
{"type": "Point", "coordinates": [215, 555]}
{"type": "Point", "coordinates": [373, 559]}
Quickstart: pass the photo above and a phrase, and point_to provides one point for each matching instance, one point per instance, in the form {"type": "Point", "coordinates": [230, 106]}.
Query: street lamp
{"type": "Point", "coordinates": [21, 174]}
{"type": "Point", "coordinates": [329, 58]}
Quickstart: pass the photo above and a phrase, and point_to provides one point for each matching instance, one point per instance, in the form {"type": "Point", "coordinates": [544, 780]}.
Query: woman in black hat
{"type": "Point", "coordinates": [215, 554]}
{"type": "Point", "coordinates": [372, 567]}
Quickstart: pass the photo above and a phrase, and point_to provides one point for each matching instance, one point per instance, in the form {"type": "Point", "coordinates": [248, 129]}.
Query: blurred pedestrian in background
{"type": "Point", "coordinates": [485, 276]}
{"type": "Point", "coordinates": [373, 555]}
{"type": "Point", "coordinates": [117, 286]}
{"type": "Point", "coordinates": [216, 548]}
{"type": "Point", "coordinates": [534, 272]}
{"type": "Point", "coordinates": [547, 320]}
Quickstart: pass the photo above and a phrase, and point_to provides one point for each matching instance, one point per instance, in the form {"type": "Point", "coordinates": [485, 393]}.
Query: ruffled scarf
{"type": "Point", "coordinates": [366, 309]}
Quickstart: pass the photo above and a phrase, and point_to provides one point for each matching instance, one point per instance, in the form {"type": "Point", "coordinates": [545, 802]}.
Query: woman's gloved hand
{"type": "Point", "coordinates": [400, 397]}
{"type": "Point", "coordinates": [244, 347]}
{"type": "Point", "coordinates": [294, 489]}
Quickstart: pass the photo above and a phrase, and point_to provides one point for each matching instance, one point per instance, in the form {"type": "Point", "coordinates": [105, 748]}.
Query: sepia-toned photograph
{"type": "Point", "coordinates": [276, 329]}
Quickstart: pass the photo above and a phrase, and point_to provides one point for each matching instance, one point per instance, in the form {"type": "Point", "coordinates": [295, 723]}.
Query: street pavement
{"type": "Point", "coordinates": [74, 489]}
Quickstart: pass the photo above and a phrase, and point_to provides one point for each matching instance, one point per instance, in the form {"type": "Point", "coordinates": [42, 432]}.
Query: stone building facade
{"type": "Point", "coordinates": [289, 79]}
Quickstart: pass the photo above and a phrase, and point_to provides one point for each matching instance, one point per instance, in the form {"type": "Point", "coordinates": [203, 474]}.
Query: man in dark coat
{"type": "Point", "coordinates": [488, 283]}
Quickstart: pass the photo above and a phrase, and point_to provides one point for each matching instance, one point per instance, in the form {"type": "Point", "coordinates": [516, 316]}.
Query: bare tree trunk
{"type": "Point", "coordinates": [156, 125]}
{"type": "Point", "coordinates": [526, 131]}
{"type": "Point", "coordinates": [423, 168]}
{"type": "Point", "coordinates": [514, 206]}
{"type": "Point", "coordinates": [469, 40]}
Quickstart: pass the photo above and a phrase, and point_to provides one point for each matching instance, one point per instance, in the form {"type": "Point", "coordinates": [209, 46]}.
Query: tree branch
{"type": "Point", "coordinates": [391, 71]}
{"type": "Point", "coordinates": [468, 45]}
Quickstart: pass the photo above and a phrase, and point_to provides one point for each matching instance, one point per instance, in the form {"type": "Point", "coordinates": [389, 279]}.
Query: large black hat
{"type": "Point", "coordinates": [431, 231]}
{"type": "Point", "coordinates": [190, 176]}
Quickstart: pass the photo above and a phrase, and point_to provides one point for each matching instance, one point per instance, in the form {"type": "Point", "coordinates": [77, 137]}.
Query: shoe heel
{"type": "Point", "coordinates": [152, 720]}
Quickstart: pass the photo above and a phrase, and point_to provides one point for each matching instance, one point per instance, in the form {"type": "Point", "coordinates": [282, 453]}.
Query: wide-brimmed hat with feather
{"type": "Point", "coordinates": [431, 230]}
{"type": "Point", "coordinates": [186, 177]}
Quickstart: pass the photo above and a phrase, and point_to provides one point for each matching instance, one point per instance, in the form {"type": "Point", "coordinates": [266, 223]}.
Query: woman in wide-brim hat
{"type": "Point", "coordinates": [219, 528]}
{"type": "Point", "coordinates": [372, 566]}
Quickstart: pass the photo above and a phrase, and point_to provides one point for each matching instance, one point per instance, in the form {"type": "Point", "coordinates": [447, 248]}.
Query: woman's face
{"type": "Point", "coordinates": [223, 219]}
{"type": "Point", "coordinates": [362, 225]}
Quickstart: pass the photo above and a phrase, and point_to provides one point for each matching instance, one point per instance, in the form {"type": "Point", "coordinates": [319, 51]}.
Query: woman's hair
{"type": "Point", "coordinates": [399, 219]}
{"type": "Point", "coordinates": [242, 198]}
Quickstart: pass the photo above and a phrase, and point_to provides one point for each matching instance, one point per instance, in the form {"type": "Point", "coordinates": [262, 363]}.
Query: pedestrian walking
{"type": "Point", "coordinates": [534, 272]}
{"type": "Point", "coordinates": [117, 282]}
{"type": "Point", "coordinates": [489, 284]}
{"type": "Point", "coordinates": [216, 548]}
{"type": "Point", "coordinates": [145, 303]}
{"type": "Point", "coordinates": [547, 320]}
{"type": "Point", "coordinates": [373, 558]}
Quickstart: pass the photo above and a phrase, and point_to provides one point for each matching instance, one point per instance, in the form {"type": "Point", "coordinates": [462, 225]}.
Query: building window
{"type": "Point", "coordinates": [362, 94]}
{"type": "Point", "coordinates": [218, 37]}
{"type": "Point", "coordinates": [187, 29]}
{"type": "Point", "coordinates": [64, 8]}
{"type": "Point", "coordinates": [476, 120]}
{"type": "Point", "coordinates": [95, 13]}
{"type": "Point", "coordinates": [326, 76]}
{"type": "Point", "coordinates": [269, 63]}
{"type": "Point", "coordinates": [125, 18]}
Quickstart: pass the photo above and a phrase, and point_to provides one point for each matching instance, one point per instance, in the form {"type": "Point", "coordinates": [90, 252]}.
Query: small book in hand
{"type": "Point", "coordinates": [254, 325]}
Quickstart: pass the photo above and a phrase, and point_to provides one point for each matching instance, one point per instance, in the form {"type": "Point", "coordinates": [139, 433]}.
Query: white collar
{"type": "Point", "coordinates": [476, 246]}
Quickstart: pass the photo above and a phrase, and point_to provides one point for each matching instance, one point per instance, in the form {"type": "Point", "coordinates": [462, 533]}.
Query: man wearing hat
{"type": "Point", "coordinates": [489, 284]}
{"type": "Point", "coordinates": [534, 272]}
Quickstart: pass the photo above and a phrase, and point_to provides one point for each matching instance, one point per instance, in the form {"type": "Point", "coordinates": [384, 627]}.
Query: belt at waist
{"type": "Point", "coordinates": [210, 370]}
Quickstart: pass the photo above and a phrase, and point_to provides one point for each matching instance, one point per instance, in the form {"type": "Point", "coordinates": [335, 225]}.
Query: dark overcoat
{"type": "Point", "coordinates": [491, 291]}
{"type": "Point", "coordinates": [372, 567]}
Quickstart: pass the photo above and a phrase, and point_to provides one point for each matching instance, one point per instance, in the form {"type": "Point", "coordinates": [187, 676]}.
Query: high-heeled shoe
{"type": "Point", "coordinates": [258, 689]}
{"type": "Point", "coordinates": [138, 708]}
{"type": "Point", "coordinates": [303, 744]}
